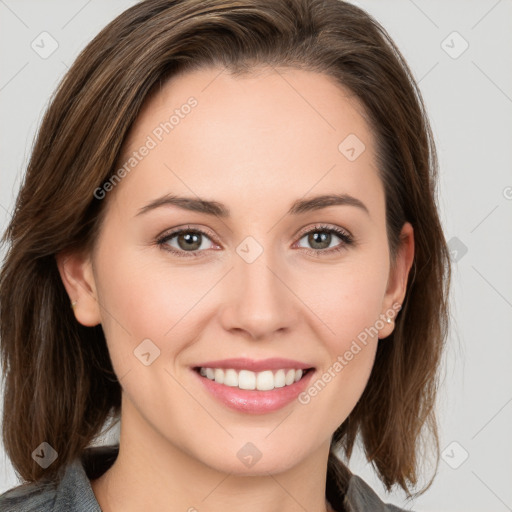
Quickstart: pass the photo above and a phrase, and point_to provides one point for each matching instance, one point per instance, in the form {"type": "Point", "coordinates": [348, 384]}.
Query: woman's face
{"type": "Point", "coordinates": [266, 280]}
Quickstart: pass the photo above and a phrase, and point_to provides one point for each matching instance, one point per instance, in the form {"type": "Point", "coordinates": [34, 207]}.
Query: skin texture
{"type": "Point", "coordinates": [256, 144]}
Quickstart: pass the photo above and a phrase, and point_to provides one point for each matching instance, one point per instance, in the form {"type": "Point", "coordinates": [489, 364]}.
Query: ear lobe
{"type": "Point", "coordinates": [76, 272]}
{"type": "Point", "coordinates": [397, 286]}
{"type": "Point", "coordinates": [399, 274]}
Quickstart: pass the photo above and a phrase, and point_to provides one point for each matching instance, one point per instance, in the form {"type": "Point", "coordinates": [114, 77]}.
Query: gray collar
{"type": "Point", "coordinates": [74, 492]}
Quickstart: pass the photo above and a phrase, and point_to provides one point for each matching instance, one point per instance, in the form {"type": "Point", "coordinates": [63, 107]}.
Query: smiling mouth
{"type": "Point", "coordinates": [266, 380]}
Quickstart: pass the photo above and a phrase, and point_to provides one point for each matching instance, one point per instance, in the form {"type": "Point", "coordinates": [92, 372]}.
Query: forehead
{"type": "Point", "coordinates": [271, 133]}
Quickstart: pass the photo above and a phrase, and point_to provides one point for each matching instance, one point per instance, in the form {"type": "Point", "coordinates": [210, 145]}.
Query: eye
{"type": "Point", "coordinates": [184, 242]}
{"type": "Point", "coordinates": [190, 242]}
{"type": "Point", "coordinates": [321, 237]}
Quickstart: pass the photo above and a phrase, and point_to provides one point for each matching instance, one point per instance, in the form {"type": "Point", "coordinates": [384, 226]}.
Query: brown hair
{"type": "Point", "coordinates": [59, 383]}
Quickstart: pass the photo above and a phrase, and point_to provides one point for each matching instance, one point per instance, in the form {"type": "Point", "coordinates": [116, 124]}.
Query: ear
{"type": "Point", "coordinates": [397, 282]}
{"type": "Point", "coordinates": [77, 276]}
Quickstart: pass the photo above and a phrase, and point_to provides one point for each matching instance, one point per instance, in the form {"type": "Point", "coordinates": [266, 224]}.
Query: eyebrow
{"type": "Point", "coordinates": [220, 210]}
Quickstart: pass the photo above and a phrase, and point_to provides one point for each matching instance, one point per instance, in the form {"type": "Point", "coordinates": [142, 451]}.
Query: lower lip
{"type": "Point", "coordinates": [255, 401]}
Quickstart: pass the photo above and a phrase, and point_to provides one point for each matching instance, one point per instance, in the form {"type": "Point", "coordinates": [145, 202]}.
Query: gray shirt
{"type": "Point", "coordinates": [73, 493]}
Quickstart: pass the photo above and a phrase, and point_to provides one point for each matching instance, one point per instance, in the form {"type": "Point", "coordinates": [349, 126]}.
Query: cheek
{"type": "Point", "coordinates": [142, 299]}
{"type": "Point", "coordinates": [350, 342]}
{"type": "Point", "coordinates": [347, 298]}
{"type": "Point", "coordinates": [145, 297]}
{"type": "Point", "coordinates": [347, 303]}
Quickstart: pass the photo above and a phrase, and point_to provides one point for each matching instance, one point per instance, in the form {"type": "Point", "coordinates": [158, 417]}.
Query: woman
{"type": "Point", "coordinates": [238, 201]}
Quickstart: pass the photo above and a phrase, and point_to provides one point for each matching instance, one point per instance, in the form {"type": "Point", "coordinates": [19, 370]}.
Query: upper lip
{"type": "Point", "coordinates": [241, 363]}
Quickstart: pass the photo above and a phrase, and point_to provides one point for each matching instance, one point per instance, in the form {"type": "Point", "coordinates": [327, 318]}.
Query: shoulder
{"type": "Point", "coordinates": [348, 492]}
{"type": "Point", "coordinates": [72, 492]}
{"type": "Point", "coordinates": [361, 498]}
{"type": "Point", "coordinates": [31, 497]}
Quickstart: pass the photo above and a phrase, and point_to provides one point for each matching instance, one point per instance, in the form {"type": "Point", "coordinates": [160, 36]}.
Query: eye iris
{"type": "Point", "coordinates": [313, 239]}
{"type": "Point", "coordinates": [191, 241]}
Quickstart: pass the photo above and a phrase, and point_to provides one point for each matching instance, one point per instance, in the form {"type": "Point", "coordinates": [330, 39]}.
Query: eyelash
{"type": "Point", "coordinates": [346, 238]}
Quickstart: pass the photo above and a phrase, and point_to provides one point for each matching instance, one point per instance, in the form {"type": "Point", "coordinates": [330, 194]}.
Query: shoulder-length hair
{"type": "Point", "coordinates": [59, 382]}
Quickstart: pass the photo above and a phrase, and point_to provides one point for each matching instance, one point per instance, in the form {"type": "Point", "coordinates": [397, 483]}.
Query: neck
{"type": "Point", "coordinates": [150, 473]}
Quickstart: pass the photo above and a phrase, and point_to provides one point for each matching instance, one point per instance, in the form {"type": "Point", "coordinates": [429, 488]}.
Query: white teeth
{"type": "Point", "coordinates": [246, 379]}
{"type": "Point", "coordinates": [279, 379]}
{"type": "Point", "coordinates": [264, 380]}
{"type": "Point", "coordinates": [230, 378]}
{"type": "Point", "coordinates": [219, 375]}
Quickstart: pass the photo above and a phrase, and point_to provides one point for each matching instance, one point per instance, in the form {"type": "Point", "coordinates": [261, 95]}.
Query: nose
{"type": "Point", "coordinates": [261, 301]}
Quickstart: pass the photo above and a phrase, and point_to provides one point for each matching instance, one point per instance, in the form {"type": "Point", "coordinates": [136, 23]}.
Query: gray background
{"type": "Point", "coordinates": [469, 99]}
